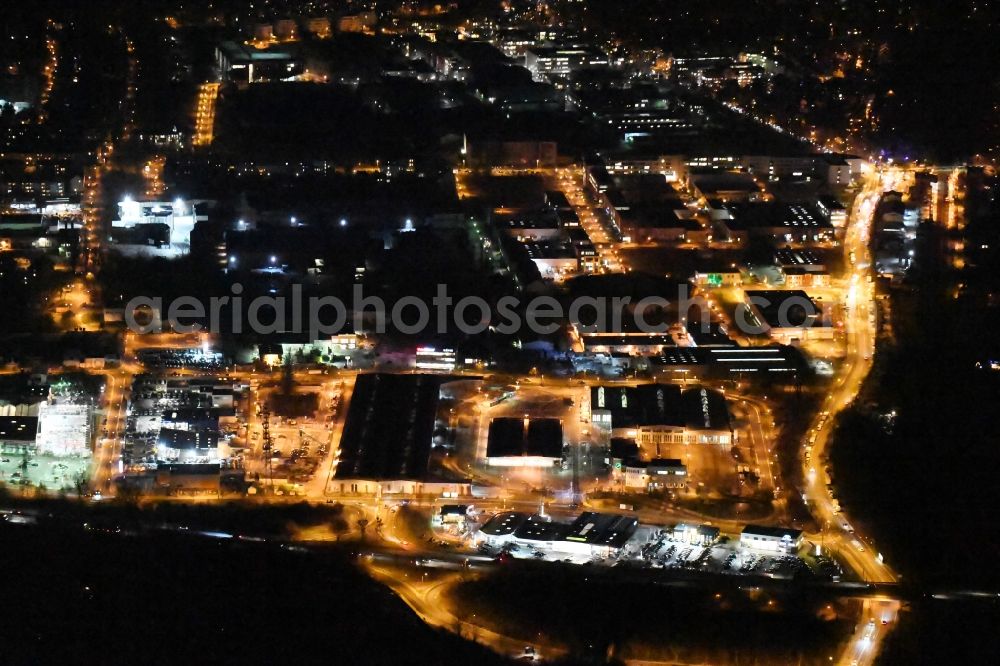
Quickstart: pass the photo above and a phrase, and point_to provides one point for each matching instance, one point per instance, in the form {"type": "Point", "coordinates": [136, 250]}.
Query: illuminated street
{"type": "Point", "coordinates": [549, 332]}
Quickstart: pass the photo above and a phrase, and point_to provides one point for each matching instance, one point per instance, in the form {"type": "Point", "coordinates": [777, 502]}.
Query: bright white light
{"type": "Point", "coordinates": [343, 222]}
{"type": "Point", "coordinates": [274, 259]}
{"type": "Point", "coordinates": [295, 220]}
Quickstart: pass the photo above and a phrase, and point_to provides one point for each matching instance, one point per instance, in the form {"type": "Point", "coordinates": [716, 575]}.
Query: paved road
{"type": "Point", "coordinates": [838, 534]}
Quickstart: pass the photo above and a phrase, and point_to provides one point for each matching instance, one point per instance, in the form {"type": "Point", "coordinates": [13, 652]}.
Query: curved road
{"type": "Point", "coordinates": [837, 534]}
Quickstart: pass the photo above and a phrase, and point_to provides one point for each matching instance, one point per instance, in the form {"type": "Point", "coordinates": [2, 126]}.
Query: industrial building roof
{"type": "Point", "coordinates": [390, 424]}
{"type": "Point", "coordinates": [729, 360]}
{"type": "Point", "coordinates": [787, 258]}
{"type": "Point", "coordinates": [536, 528]}
{"type": "Point", "coordinates": [662, 405]}
{"type": "Point", "coordinates": [790, 216]}
{"type": "Point", "coordinates": [603, 529]}
{"type": "Point", "coordinates": [197, 418]}
{"type": "Point", "coordinates": [187, 439]}
{"type": "Point", "coordinates": [665, 462]}
{"type": "Point", "coordinates": [705, 409]}
{"type": "Point", "coordinates": [18, 428]}
{"type": "Point", "coordinates": [772, 532]}
{"type": "Point", "coordinates": [510, 437]}
{"type": "Point", "coordinates": [503, 523]}
{"type": "Point", "coordinates": [790, 308]}
{"type": "Point", "coordinates": [624, 448]}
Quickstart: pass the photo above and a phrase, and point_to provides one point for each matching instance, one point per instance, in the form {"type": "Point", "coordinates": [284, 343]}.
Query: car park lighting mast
{"type": "Point", "coordinates": [267, 445]}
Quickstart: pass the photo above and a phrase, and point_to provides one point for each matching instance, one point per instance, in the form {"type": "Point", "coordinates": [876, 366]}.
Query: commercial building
{"type": "Point", "coordinates": [553, 259]}
{"type": "Point", "coordinates": [673, 168]}
{"type": "Point", "coordinates": [188, 446]}
{"type": "Point", "coordinates": [568, 219]}
{"type": "Point", "coordinates": [774, 361]}
{"type": "Point", "coordinates": [499, 529]}
{"type": "Point", "coordinates": [156, 227]}
{"type": "Point", "coordinates": [731, 277]}
{"type": "Point", "coordinates": [182, 433]}
{"type": "Point", "coordinates": [599, 180]}
{"type": "Point", "coordinates": [620, 451]}
{"type": "Point", "coordinates": [696, 535]}
{"type": "Point", "coordinates": [64, 429]}
{"type": "Point", "coordinates": [545, 61]}
{"type": "Point", "coordinates": [386, 446]}
{"type": "Point", "coordinates": [786, 316]}
{"type": "Point", "coordinates": [802, 268]}
{"type": "Point", "coordinates": [197, 418]}
{"type": "Point", "coordinates": [834, 211]}
{"type": "Point", "coordinates": [771, 539]}
{"type": "Point", "coordinates": [638, 343]}
{"type": "Point", "coordinates": [661, 223]}
{"type": "Point", "coordinates": [782, 223]}
{"type": "Point", "coordinates": [435, 360]}
{"type": "Point", "coordinates": [726, 186]}
{"type": "Point", "coordinates": [599, 534]}
{"type": "Point", "coordinates": [530, 226]}
{"type": "Point", "coordinates": [640, 122]}
{"type": "Point", "coordinates": [514, 442]}
{"type": "Point", "coordinates": [522, 154]}
{"type": "Point", "coordinates": [835, 170]}
{"type": "Point", "coordinates": [655, 475]}
{"type": "Point", "coordinates": [838, 171]}
{"type": "Point", "coordinates": [188, 479]}
{"type": "Point", "coordinates": [659, 415]}
{"type": "Point", "coordinates": [456, 515]}
{"type": "Point", "coordinates": [244, 64]}
{"type": "Point", "coordinates": [591, 534]}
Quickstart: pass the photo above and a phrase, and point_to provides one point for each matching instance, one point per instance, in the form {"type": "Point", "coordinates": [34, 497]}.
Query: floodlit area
{"type": "Point", "coordinates": [205, 114]}
{"type": "Point", "coordinates": [469, 284]}
{"type": "Point", "coordinates": [54, 473]}
{"type": "Point", "coordinates": [687, 547]}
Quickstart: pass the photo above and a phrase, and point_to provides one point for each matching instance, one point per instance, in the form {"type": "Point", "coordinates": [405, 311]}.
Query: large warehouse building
{"type": "Point", "coordinates": [771, 539]}
{"type": "Point", "coordinates": [656, 415]}
{"type": "Point", "coordinates": [786, 316]}
{"type": "Point", "coordinates": [590, 534]}
{"type": "Point", "coordinates": [64, 429]}
{"type": "Point", "coordinates": [386, 446]}
{"type": "Point", "coordinates": [514, 442]}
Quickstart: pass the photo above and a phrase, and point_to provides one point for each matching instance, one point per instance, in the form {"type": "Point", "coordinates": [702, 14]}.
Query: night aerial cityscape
{"type": "Point", "coordinates": [431, 332]}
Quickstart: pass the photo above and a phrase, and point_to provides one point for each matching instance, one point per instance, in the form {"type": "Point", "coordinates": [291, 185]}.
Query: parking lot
{"type": "Point", "coordinates": [183, 359]}
{"type": "Point", "coordinates": [55, 473]}
{"type": "Point", "coordinates": [656, 548]}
